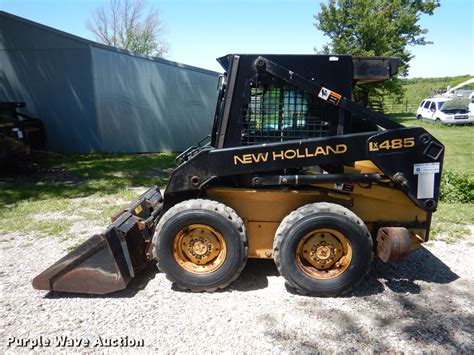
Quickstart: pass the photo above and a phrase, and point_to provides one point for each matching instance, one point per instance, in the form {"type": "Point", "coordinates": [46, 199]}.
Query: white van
{"type": "Point", "coordinates": [444, 110]}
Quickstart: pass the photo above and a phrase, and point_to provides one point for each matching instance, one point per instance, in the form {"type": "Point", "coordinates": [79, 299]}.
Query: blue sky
{"type": "Point", "coordinates": [201, 30]}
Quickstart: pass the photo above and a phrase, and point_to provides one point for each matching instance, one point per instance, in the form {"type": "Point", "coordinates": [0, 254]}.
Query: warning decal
{"type": "Point", "coordinates": [426, 168]}
{"type": "Point", "coordinates": [426, 179]}
{"type": "Point", "coordinates": [329, 96]}
{"type": "Point", "coordinates": [344, 187]}
{"type": "Point", "coordinates": [138, 209]}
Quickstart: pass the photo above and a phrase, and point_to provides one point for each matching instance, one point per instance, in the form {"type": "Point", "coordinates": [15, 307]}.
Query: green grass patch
{"type": "Point", "coordinates": [52, 227]}
{"type": "Point", "coordinates": [82, 175]}
{"type": "Point", "coordinates": [451, 220]}
{"type": "Point", "coordinates": [459, 213]}
{"type": "Point", "coordinates": [449, 232]}
{"type": "Point", "coordinates": [91, 186]}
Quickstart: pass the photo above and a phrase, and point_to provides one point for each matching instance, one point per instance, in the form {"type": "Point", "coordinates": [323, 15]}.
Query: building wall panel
{"type": "Point", "coordinates": [148, 106]}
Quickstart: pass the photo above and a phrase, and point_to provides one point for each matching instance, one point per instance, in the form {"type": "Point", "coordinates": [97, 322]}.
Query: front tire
{"type": "Point", "coordinates": [201, 245]}
{"type": "Point", "coordinates": [323, 249]}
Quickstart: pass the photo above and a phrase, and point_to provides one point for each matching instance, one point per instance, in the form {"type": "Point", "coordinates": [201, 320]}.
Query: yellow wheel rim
{"type": "Point", "coordinates": [199, 248]}
{"type": "Point", "coordinates": [324, 253]}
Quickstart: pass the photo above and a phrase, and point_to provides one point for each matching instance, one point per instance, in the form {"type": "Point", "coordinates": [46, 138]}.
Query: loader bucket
{"type": "Point", "coordinates": [107, 262]}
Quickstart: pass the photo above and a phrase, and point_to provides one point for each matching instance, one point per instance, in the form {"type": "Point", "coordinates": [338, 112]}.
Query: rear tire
{"type": "Point", "coordinates": [323, 249]}
{"type": "Point", "coordinates": [418, 117]}
{"type": "Point", "coordinates": [201, 245]}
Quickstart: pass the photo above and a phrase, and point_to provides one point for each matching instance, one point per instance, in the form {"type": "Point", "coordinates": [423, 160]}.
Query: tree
{"type": "Point", "coordinates": [127, 24]}
{"type": "Point", "coordinates": [375, 28]}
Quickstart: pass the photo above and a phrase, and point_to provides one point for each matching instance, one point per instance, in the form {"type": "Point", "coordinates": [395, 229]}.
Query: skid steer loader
{"type": "Point", "coordinates": [294, 171]}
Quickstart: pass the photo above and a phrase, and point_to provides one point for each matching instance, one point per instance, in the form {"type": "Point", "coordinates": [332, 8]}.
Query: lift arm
{"type": "Point", "coordinates": [323, 93]}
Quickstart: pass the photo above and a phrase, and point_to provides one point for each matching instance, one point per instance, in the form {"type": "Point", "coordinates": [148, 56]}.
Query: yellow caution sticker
{"type": "Point", "coordinates": [138, 209]}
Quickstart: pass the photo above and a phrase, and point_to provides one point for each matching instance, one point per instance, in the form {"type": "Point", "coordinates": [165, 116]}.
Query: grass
{"type": "Point", "coordinates": [421, 88]}
{"type": "Point", "coordinates": [71, 188]}
{"type": "Point", "coordinates": [448, 232]}
{"type": "Point", "coordinates": [451, 220]}
{"type": "Point", "coordinates": [457, 213]}
{"type": "Point", "coordinates": [82, 175]}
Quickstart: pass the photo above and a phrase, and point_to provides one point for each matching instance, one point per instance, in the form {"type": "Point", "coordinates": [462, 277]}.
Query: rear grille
{"type": "Point", "coordinates": [279, 112]}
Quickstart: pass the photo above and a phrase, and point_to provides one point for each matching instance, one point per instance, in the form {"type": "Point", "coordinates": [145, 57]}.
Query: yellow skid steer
{"type": "Point", "coordinates": [293, 171]}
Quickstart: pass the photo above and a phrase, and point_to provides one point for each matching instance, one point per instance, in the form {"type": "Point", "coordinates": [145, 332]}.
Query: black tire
{"type": "Point", "coordinates": [311, 217]}
{"type": "Point", "coordinates": [418, 117]}
{"type": "Point", "coordinates": [206, 212]}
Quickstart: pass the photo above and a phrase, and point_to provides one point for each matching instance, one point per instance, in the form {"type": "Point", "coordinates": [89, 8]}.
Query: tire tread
{"type": "Point", "coordinates": [214, 207]}
{"type": "Point", "coordinates": [307, 210]}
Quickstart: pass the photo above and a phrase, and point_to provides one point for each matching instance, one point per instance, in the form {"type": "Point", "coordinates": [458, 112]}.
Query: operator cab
{"type": "Point", "coordinates": [255, 108]}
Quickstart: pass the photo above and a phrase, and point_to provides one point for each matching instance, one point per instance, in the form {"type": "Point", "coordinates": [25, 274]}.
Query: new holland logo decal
{"type": "Point", "coordinates": [288, 154]}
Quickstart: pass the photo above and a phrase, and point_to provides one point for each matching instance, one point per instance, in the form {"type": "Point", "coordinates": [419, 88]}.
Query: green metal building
{"type": "Point", "coordinates": [93, 97]}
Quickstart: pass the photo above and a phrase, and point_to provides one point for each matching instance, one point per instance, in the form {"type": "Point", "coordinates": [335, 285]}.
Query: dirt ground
{"type": "Point", "coordinates": [422, 304]}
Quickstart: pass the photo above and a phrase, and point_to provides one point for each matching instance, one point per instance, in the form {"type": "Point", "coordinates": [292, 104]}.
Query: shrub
{"type": "Point", "coordinates": [456, 187]}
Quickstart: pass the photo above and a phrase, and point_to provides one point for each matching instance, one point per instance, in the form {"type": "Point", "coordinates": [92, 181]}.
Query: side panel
{"type": "Point", "coordinates": [263, 210]}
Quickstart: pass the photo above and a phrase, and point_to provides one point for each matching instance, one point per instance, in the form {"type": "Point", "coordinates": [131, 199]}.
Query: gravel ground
{"type": "Point", "coordinates": [423, 304]}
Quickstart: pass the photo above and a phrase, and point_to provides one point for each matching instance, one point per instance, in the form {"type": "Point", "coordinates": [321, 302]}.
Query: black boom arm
{"type": "Point", "coordinates": [323, 93]}
{"type": "Point", "coordinates": [396, 152]}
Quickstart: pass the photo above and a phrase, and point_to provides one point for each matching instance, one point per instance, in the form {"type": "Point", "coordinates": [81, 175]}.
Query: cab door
{"type": "Point", "coordinates": [432, 111]}
{"type": "Point", "coordinates": [425, 111]}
